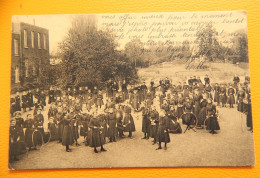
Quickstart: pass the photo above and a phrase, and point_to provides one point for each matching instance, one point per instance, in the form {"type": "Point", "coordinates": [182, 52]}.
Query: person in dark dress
{"type": "Point", "coordinates": [28, 124]}
{"type": "Point", "coordinates": [17, 102]}
{"type": "Point", "coordinates": [74, 120]}
{"type": "Point", "coordinates": [173, 124]}
{"type": "Point", "coordinates": [196, 99]}
{"type": "Point", "coordinates": [154, 117]}
{"type": "Point", "coordinates": [240, 98]}
{"type": "Point", "coordinates": [248, 112]}
{"type": "Point", "coordinates": [24, 101]}
{"type": "Point", "coordinates": [223, 95]}
{"type": "Point", "coordinates": [111, 125]}
{"type": "Point", "coordinates": [67, 136]}
{"type": "Point", "coordinates": [146, 123]}
{"type": "Point", "coordinates": [96, 136]}
{"type": "Point", "coordinates": [30, 99]}
{"type": "Point", "coordinates": [13, 142]}
{"type": "Point", "coordinates": [128, 123]}
{"type": "Point", "coordinates": [216, 93]}
{"type": "Point", "coordinates": [212, 121]}
{"type": "Point", "coordinates": [60, 125]}
{"type": "Point", "coordinates": [202, 113]}
{"type": "Point", "coordinates": [38, 124]}
{"type": "Point", "coordinates": [51, 95]}
{"type": "Point", "coordinates": [231, 96]}
{"type": "Point", "coordinates": [163, 132]}
{"type": "Point", "coordinates": [42, 99]}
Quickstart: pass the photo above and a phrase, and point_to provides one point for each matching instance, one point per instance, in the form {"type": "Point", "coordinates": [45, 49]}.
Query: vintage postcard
{"type": "Point", "coordinates": [161, 89]}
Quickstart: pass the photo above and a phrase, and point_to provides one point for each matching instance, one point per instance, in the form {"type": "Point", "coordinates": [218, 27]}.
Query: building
{"type": "Point", "coordinates": [30, 51]}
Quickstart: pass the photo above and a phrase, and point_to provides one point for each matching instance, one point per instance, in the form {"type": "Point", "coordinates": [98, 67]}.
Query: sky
{"type": "Point", "coordinates": [164, 23]}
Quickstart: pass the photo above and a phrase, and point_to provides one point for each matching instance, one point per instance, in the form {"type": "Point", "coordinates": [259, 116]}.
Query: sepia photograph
{"type": "Point", "coordinates": [161, 89]}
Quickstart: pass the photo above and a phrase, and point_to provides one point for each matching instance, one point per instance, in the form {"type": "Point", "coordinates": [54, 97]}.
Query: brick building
{"type": "Point", "coordinates": [30, 51]}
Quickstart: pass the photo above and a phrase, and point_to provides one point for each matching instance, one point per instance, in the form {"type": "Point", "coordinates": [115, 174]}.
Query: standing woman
{"type": "Point", "coordinates": [28, 124]}
{"type": "Point", "coordinates": [222, 95]}
{"type": "Point", "coordinates": [163, 133]}
{"type": "Point", "coordinates": [74, 124]}
{"type": "Point", "coordinates": [128, 123]}
{"type": "Point", "coordinates": [203, 112]}
{"type": "Point", "coordinates": [67, 137]}
{"type": "Point", "coordinates": [231, 97]}
{"type": "Point", "coordinates": [154, 117]}
{"type": "Point", "coordinates": [96, 136]}
{"type": "Point", "coordinates": [111, 125]}
{"type": "Point", "coordinates": [211, 122]}
{"type": "Point", "coordinates": [59, 119]}
{"type": "Point", "coordinates": [216, 93]}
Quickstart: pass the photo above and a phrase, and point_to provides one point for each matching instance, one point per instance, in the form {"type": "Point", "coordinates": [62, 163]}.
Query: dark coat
{"type": "Point", "coordinates": [222, 95]}
{"type": "Point", "coordinates": [67, 136]}
{"type": "Point", "coordinates": [163, 133]}
{"type": "Point", "coordinates": [111, 118]}
{"type": "Point", "coordinates": [154, 116]}
{"type": "Point", "coordinates": [212, 123]}
{"type": "Point", "coordinates": [231, 97]}
{"type": "Point", "coordinates": [249, 121]}
{"type": "Point", "coordinates": [96, 136]}
{"type": "Point", "coordinates": [216, 94]}
{"type": "Point", "coordinates": [146, 123]}
{"type": "Point", "coordinates": [196, 100]}
{"type": "Point", "coordinates": [28, 124]}
{"type": "Point", "coordinates": [240, 98]}
{"type": "Point", "coordinates": [128, 121]}
{"type": "Point", "coordinates": [30, 99]}
{"type": "Point", "coordinates": [203, 113]}
{"type": "Point", "coordinates": [59, 120]}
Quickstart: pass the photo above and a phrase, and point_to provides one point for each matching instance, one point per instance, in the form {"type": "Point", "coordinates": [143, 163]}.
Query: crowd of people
{"type": "Point", "coordinates": [102, 115]}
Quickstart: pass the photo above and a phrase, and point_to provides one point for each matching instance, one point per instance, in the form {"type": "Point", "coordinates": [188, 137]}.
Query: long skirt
{"type": "Point", "coordinates": [153, 132]}
{"type": "Point", "coordinates": [174, 127]}
{"type": "Point", "coordinates": [96, 138]}
{"type": "Point", "coordinates": [202, 116]}
{"type": "Point", "coordinates": [240, 106]}
{"type": "Point", "coordinates": [162, 135]}
{"type": "Point", "coordinates": [60, 131]}
{"type": "Point", "coordinates": [216, 97]}
{"type": "Point", "coordinates": [249, 121]}
{"type": "Point", "coordinates": [223, 99]}
{"type": "Point", "coordinates": [146, 125]}
{"type": "Point", "coordinates": [67, 136]}
{"type": "Point", "coordinates": [196, 108]}
{"type": "Point", "coordinates": [75, 132]}
{"type": "Point", "coordinates": [212, 123]}
{"type": "Point", "coordinates": [231, 99]}
{"type": "Point", "coordinates": [28, 137]}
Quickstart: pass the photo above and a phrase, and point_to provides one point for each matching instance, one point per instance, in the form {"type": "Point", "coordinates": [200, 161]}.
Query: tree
{"type": "Point", "coordinates": [207, 43]}
{"type": "Point", "coordinates": [240, 46]}
{"type": "Point", "coordinates": [89, 56]}
{"type": "Point", "coordinates": [133, 51]}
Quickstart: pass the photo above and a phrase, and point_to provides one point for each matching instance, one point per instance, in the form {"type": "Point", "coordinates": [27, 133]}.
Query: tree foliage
{"type": "Point", "coordinates": [89, 56]}
{"type": "Point", "coordinates": [208, 44]}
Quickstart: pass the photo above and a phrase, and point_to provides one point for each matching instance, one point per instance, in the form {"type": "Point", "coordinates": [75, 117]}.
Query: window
{"type": "Point", "coordinates": [26, 66]}
{"type": "Point", "coordinates": [44, 41]}
{"type": "Point", "coordinates": [16, 48]}
{"type": "Point", "coordinates": [39, 41]}
{"type": "Point", "coordinates": [16, 75]}
{"type": "Point", "coordinates": [32, 38]}
{"type": "Point", "coordinates": [25, 39]}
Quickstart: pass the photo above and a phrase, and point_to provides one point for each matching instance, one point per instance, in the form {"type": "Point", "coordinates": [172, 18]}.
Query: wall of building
{"type": "Point", "coordinates": [32, 56]}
